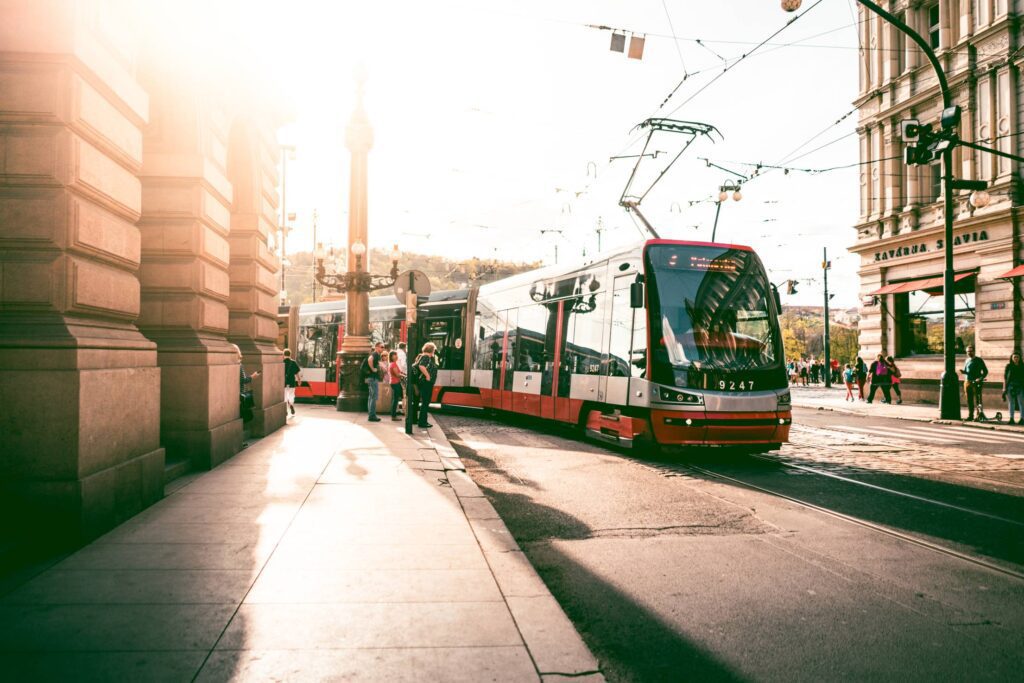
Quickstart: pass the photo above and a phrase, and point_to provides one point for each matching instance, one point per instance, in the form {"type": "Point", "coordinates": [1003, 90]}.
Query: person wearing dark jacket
{"type": "Point", "coordinates": [881, 378]}
{"type": "Point", "coordinates": [1013, 386]}
{"type": "Point", "coordinates": [426, 375]}
{"type": "Point", "coordinates": [860, 371]}
{"type": "Point", "coordinates": [975, 371]}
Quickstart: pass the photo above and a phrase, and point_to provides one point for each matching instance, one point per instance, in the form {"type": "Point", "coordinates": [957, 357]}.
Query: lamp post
{"type": "Point", "coordinates": [723, 195]}
{"type": "Point", "coordinates": [949, 386]}
{"type": "Point", "coordinates": [356, 282]}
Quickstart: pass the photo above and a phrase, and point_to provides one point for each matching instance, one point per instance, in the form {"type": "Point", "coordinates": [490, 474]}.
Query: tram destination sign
{"type": "Point", "coordinates": [925, 247]}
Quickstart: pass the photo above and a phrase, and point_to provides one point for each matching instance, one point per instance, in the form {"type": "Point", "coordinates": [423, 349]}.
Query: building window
{"type": "Point", "coordinates": [919, 321]}
{"type": "Point", "coordinates": [933, 181]}
{"type": "Point", "coordinates": [934, 26]}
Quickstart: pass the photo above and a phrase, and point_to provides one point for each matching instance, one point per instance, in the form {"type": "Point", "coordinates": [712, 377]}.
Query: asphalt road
{"type": "Point", "coordinates": [672, 572]}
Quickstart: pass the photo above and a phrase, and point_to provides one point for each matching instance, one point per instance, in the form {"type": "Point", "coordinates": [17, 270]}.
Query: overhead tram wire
{"type": "Point", "coordinates": [675, 40]}
{"type": "Point", "coordinates": [741, 59]}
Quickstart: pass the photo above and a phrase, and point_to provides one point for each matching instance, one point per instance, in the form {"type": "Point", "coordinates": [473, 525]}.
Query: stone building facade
{"type": "Point", "coordinates": [137, 195]}
{"type": "Point", "coordinates": [900, 228]}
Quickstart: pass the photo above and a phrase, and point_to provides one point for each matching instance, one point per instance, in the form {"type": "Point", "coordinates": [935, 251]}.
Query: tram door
{"type": "Point", "coordinates": [618, 344]}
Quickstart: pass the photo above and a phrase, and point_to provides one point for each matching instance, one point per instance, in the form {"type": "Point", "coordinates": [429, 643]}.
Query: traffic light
{"type": "Point", "coordinates": [919, 140]}
{"type": "Point", "coordinates": [790, 287]}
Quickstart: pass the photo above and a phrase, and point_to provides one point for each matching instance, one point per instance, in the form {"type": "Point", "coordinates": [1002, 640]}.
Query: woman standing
{"type": "Point", "coordinates": [1013, 386]}
{"type": "Point", "coordinates": [396, 375]}
{"type": "Point", "coordinates": [861, 372]}
{"type": "Point", "coordinates": [895, 374]}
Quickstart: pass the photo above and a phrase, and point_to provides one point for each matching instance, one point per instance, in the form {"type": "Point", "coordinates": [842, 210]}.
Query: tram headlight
{"type": "Point", "coordinates": [684, 397]}
{"type": "Point", "coordinates": [785, 399]}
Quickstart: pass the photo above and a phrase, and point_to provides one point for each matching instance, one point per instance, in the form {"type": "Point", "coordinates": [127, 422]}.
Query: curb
{"type": "Point", "coordinates": [961, 423]}
{"type": "Point", "coordinates": [550, 637]}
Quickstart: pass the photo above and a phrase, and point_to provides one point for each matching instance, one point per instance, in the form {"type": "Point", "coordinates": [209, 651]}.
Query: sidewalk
{"type": "Point", "coordinates": [833, 399]}
{"type": "Point", "coordinates": [333, 548]}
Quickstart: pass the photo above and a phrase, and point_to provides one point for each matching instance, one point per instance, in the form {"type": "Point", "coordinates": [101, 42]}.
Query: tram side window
{"type": "Point", "coordinates": [488, 341]}
{"type": "Point", "coordinates": [585, 320]}
{"type": "Point", "coordinates": [531, 328]}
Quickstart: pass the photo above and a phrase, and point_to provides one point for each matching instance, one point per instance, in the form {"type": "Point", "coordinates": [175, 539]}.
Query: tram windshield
{"type": "Point", "coordinates": [710, 310]}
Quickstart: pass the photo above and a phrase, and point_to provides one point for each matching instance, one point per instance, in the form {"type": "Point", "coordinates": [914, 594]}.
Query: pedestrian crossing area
{"type": "Point", "coordinates": [939, 434]}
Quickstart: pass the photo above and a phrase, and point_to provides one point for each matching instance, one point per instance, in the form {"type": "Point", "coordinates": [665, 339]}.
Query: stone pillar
{"type": "Point", "coordinates": [186, 204]}
{"type": "Point", "coordinates": [79, 384]}
{"type": "Point", "coordinates": [252, 303]}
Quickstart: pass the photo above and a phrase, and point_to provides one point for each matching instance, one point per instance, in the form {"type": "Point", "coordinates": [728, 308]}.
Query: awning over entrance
{"type": "Point", "coordinates": [1016, 272]}
{"type": "Point", "coordinates": [928, 284]}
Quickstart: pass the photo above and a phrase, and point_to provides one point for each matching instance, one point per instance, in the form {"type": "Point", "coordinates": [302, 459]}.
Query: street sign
{"type": "Point", "coordinates": [420, 285]}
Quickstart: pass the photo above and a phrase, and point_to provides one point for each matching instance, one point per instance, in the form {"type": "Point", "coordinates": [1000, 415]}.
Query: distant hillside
{"type": "Point", "coordinates": [803, 330]}
{"type": "Point", "coordinates": [444, 273]}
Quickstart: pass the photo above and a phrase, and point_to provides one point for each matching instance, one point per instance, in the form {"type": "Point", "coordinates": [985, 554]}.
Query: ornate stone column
{"type": "Point", "coordinates": [186, 202]}
{"type": "Point", "coordinates": [252, 304]}
{"type": "Point", "coordinates": [356, 343]}
{"type": "Point", "coordinates": [79, 384]}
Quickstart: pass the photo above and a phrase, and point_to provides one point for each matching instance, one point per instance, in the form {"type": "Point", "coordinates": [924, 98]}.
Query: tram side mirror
{"type": "Point", "coordinates": [636, 295]}
{"type": "Point", "coordinates": [778, 299]}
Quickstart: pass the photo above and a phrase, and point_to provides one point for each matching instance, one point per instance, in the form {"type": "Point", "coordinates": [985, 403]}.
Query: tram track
{"type": "Point", "coordinates": [690, 468]}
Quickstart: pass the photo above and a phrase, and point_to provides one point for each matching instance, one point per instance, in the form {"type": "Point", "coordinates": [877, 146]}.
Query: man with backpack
{"type": "Point", "coordinates": [426, 375]}
{"type": "Point", "coordinates": [371, 371]}
{"type": "Point", "coordinates": [881, 378]}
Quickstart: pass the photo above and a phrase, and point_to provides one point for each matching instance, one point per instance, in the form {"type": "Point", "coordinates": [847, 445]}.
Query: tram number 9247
{"type": "Point", "coordinates": [742, 385]}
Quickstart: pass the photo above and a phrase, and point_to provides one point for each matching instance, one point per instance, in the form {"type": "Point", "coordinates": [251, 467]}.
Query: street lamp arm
{"type": "Point", "coordinates": [921, 42]}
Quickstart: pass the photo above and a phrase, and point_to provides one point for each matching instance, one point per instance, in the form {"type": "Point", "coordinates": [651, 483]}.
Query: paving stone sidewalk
{"type": "Point", "coordinates": [333, 548]}
{"type": "Point", "coordinates": [834, 399]}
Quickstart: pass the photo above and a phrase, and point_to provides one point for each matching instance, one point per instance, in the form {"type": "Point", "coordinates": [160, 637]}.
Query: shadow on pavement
{"type": "Point", "coordinates": [984, 522]}
{"type": "Point", "coordinates": [631, 642]}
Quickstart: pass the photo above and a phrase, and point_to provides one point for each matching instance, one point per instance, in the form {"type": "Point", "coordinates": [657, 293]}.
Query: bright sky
{"type": "Point", "coordinates": [491, 118]}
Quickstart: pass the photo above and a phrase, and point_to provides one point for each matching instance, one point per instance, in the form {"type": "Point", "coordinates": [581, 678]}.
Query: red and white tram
{"type": "Point", "coordinates": [671, 342]}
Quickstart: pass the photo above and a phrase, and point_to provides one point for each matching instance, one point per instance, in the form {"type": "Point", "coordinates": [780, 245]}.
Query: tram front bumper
{"type": "Point", "coordinates": [720, 428]}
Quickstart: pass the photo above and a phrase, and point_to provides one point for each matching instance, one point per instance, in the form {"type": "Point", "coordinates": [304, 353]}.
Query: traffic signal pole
{"type": "Point", "coordinates": [828, 355]}
{"type": "Point", "coordinates": [949, 386]}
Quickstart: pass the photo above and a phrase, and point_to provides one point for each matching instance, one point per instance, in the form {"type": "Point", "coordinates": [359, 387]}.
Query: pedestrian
{"type": "Point", "coordinates": [895, 373]}
{"type": "Point", "coordinates": [404, 367]}
{"type": "Point", "coordinates": [975, 371]}
{"type": "Point", "coordinates": [881, 378]}
{"type": "Point", "coordinates": [426, 375]}
{"type": "Point", "coordinates": [835, 370]}
{"type": "Point", "coordinates": [803, 372]}
{"type": "Point", "coordinates": [292, 377]}
{"type": "Point", "coordinates": [849, 377]}
{"type": "Point", "coordinates": [397, 376]}
{"type": "Point", "coordinates": [1013, 386]}
{"type": "Point", "coordinates": [246, 403]}
{"type": "Point", "coordinates": [861, 371]}
{"type": "Point", "coordinates": [372, 372]}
